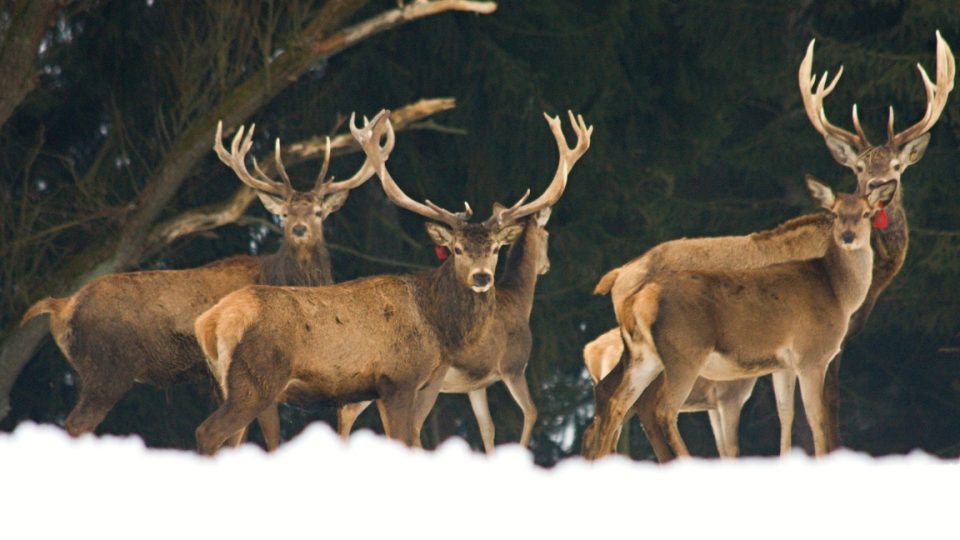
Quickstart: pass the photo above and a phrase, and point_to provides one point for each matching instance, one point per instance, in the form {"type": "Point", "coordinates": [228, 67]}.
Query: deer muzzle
{"type": "Point", "coordinates": [481, 281]}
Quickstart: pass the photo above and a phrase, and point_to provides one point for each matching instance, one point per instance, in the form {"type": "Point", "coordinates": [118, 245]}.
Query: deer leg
{"type": "Point", "coordinates": [94, 404]}
{"type": "Point", "coordinates": [716, 425]}
{"type": "Point", "coordinates": [347, 414]}
{"type": "Point", "coordinates": [636, 378]}
{"type": "Point", "coordinates": [731, 396]}
{"type": "Point", "coordinates": [645, 408]}
{"type": "Point", "coordinates": [269, 421]}
{"type": "Point", "coordinates": [235, 440]}
{"type": "Point", "coordinates": [831, 392]}
{"type": "Point", "coordinates": [678, 380]}
{"type": "Point", "coordinates": [517, 385]}
{"type": "Point", "coordinates": [397, 410]}
{"type": "Point", "coordinates": [425, 399]}
{"type": "Point", "coordinates": [811, 392]}
{"type": "Point", "coordinates": [481, 409]}
{"type": "Point", "coordinates": [784, 386]}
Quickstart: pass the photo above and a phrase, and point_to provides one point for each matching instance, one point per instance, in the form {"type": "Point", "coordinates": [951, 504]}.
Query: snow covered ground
{"type": "Point", "coordinates": [54, 487]}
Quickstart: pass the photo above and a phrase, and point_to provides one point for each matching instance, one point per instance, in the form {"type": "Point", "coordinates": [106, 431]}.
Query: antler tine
{"type": "Point", "coordinates": [813, 102]}
{"type": "Point", "coordinates": [239, 147]}
{"type": "Point", "coordinates": [568, 157]}
{"type": "Point", "coordinates": [280, 168]}
{"type": "Point", "coordinates": [936, 95]}
{"type": "Point", "coordinates": [373, 131]}
{"type": "Point", "coordinates": [368, 137]}
{"type": "Point", "coordinates": [323, 169]}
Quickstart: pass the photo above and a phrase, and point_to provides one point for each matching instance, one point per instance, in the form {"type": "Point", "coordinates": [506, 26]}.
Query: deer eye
{"type": "Point", "coordinates": [319, 214]}
{"type": "Point", "coordinates": [866, 214]}
{"type": "Point", "coordinates": [860, 167]}
{"type": "Point", "coordinates": [896, 166]}
{"type": "Point", "coordinates": [458, 250]}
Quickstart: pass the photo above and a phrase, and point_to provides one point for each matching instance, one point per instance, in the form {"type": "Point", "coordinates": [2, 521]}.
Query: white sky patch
{"type": "Point", "coordinates": [314, 486]}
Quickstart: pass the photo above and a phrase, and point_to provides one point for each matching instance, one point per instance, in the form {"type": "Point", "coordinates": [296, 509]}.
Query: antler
{"type": "Point", "coordinates": [369, 167]}
{"type": "Point", "coordinates": [369, 137]}
{"type": "Point", "coordinates": [936, 95]}
{"type": "Point", "coordinates": [239, 148]}
{"type": "Point", "coordinates": [568, 157]}
{"type": "Point", "coordinates": [813, 103]}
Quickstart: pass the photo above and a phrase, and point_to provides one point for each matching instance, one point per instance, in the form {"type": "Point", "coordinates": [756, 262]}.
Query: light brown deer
{"type": "Point", "coordinates": [722, 400]}
{"type": "Point", "coordinates": [138, 326]}
{"type": "Point", "coordinates": [807, 236]}
{"type": "Point", "coordinates": [389, 338]}
{"type": "Point", "coordinates": [737, 324]}
{"type": "Point", "coordinates": [503, 353]}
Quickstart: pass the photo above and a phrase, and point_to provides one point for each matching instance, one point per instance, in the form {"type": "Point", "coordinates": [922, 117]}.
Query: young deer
{"type": "Point", "coordinates": [807, 236]}
{"type": "Point", "coordinates": [729, 325]}
{"type": "Point", "coordinates": [503, 353]}
{"type": "Point", "coordinates": [138, 326]}
{"type": "Point", "coordinates": [388, 338]}
{"type": "Point", "coordinates": [722, 400]}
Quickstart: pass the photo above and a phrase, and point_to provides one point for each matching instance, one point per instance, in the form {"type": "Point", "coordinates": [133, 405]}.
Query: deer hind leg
{"type": "Point", "coordinates": [517, 385]}
{"type": "Point", "coordinates": [731, 396]}
{"type": "Point", "coordinates": [94, 404]}
{"type": "Point", "coordinates": [638, 374]}
{"type": "Point", "coordinates": [645, 408]}
{"type": "Point", "coordinates": [397, 411]}
{"type": "Point", "coordinates": [811, 391]}
{"type": "Point", "coordinates": [678, 380]}
{"type": "Point", "coordinates": [481, 409]}
{"type": "Point", "coordinates": [269, 421]}
{"type": "Point", "coordinates": [346, 416]}
{"type": "Point", "coordinates": [784, 386]}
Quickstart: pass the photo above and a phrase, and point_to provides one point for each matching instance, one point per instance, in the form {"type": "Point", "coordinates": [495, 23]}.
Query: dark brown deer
{"type": "Point", "coordinates": [739, 324]}
{"type": "Point", "coordinates": [502, 354]}
{"type": "Point", "coordinates": [133, 327]}
{"type": "Point", "coordinates": [389, 338]}
{"type": "Point", "coordinates": [808, 236]}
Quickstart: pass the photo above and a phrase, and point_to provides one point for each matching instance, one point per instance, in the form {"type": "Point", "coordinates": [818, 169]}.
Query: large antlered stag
{"type": "Point", "coordinates": [138, 326]}
{"type": "Point", "coordinates": [739, 324]}
{"type": "Point", "coordinates": [808, 236]}
{"type": "Point", "coordinates": [389, 338]}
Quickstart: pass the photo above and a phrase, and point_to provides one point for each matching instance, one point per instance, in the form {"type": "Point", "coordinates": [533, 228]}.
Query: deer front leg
{"type": "Point", "coordinates": [481, 409]}
{"type": "Point", "coordinates": [269, 421]}
{"type": "Point", "coordinates": [517, 385]}
{"type": "Point", "coordinates": [784, 386]}
{"type": "Point", "coordinates": [811, 392]}
{"type": "Point", "coordinates": [346, 416]}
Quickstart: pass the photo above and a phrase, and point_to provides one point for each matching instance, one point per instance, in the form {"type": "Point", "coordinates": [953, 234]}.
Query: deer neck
{"type": "Point", "coordinates": [850, 273]}
{"type": "Point", "coordinates": [307, 266]}
{"type": "Point", "coordinates": [458, 314]}
{"type": "Point", "coordinates": [521, 270]}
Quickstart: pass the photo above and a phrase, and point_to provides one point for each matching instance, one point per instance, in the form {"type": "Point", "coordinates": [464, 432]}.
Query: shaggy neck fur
{"type": "Point", "coordinates": [292, 266]}
{"type": "Point", "coordinates": [458, 314]}
{"type": "Point", "coordinates": [520, 272]}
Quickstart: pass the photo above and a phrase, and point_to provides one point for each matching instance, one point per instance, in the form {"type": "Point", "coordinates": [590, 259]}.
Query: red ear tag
{"type": "Point", "coordinates": [441, 252]}
{"type": "Point", "coordinates": [881, 220]}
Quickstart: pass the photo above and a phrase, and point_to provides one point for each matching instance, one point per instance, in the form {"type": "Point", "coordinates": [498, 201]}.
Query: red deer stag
{"type": "Point", "coordinates": [737, 324]}
{"type": "Point", "coordinates": [504, 351]}
{"type": "Point", "coordinates": [808, 236]}
{"type": "Point", "coordinates": [389, 338]}
{"type": "Point", "coordinates": [138, 326]}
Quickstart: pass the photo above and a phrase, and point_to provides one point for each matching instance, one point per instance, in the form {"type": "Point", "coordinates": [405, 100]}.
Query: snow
{"type": "Point", "coordinates": [315, 486]}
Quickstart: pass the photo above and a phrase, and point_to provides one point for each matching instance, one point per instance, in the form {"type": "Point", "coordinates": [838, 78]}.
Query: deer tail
{"type": "Point", "coordinates": [50, 305]}
{"type": "Point", "coordinates": [606, 282]}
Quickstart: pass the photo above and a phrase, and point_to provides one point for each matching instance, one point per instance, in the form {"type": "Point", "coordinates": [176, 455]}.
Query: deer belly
{"type": "Point", "coordinates": [728, 367]}
{"type": "Point", "coordinates": [458, 381]}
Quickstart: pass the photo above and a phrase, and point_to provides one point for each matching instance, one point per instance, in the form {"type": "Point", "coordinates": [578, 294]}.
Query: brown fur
{"type": "Point", "coordinates": [804, 307]}
{"type": "Point", "coordinates": [504, 349]}
{"type": "Point", "coordinates": [386, 337]}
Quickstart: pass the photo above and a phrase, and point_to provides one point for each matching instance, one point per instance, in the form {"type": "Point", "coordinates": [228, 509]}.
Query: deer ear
{"type": "Point", "coordinates": [272, 203]}
{"type": "Point", "coordinates": [441, 236]}
{"type": "Point", "coordinates": [333, 202]}
{"type": "Point", "coordinates": [842, 151]}
{"type": "Point", "coordinates": [881, 192]}
{"type": "Point", "coordinates": [543, 216]}
{"type": "Point", "coordinates": [820, 193]}
{"type": "Point", "coordinates": [509, 234]}
{"type": "Point", "coordinates": [913, 150]}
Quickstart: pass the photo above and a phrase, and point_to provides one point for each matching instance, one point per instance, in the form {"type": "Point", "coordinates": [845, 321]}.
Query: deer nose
{"type": "Point", "coordinates": [482, 279]}
{"type": "Point", "coordinates": [299, 230]}
{"type": "Point", "coordinates": [848, 237]}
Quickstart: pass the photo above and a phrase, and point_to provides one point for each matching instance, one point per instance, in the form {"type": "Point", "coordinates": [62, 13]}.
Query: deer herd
{"type": "Point", "coordinates": [699, 319]}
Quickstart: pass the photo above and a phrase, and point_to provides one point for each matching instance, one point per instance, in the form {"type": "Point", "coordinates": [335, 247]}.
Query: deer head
{"type": "Point", "coordinates": [303, 212]}
{"type": "Point", "coordinates": [852, 212]}
{"type": "Point", "coordinates": [875, 164]}
{"type": "Point", "coordinates": [475, 247]}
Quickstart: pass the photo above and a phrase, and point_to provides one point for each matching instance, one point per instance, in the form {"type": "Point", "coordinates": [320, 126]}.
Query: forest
{"type": "Point", "coordinates": [108, 111]}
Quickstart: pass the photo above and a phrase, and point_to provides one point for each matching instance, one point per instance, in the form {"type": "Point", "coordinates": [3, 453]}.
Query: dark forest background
{"type": "Point", "coordinates": [699, 130]}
